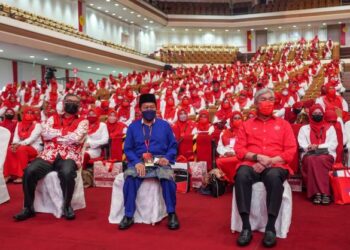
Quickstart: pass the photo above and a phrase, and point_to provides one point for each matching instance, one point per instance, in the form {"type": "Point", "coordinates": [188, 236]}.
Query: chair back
{"type": "Point", "coordinates": [5, 136]}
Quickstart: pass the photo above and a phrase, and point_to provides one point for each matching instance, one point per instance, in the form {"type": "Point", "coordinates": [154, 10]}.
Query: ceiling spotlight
{"type": "Point", "coordinates": [294, 26]}
{"type": "Point", "coordinates": [132, 12]}
{"type": "Point", "coordinates": [265, 28]}
{"type": "Point", "coordinates": [1, 50]}
{"type": "Point", "coordinates": [146, 27]}
{"type": "Point", "coordinates": [251, 29]}
{"type": "Point", "coordinates": [186, 29]}
{"type": "Point", "coordinates": [108, 0]}
{"type": "Point", "coordinates": [106, 11]}
{"type": "Point", "coordinates": [238, 30]}
{"type": "Point", "coordinates": [339, 22]}
{"type": "Point", "coordinates": [151, 21]}
{"type": "Point", "coordinates": [116, 4]}
{"type": "Point", "coordinates": [138, 15]}
{"type": "Point", "coordinates": [126, 20]}
{"type": "Point", "coordinates": [91, 4]}
{"type": "Point", "coordinates": [309, 25]}
{"type": "Point", "coordinates": [113, 14]}
{"type": "Point", "coordinates": [173, 29]}
{"type": "Point", "coordinates": [213, 30]}
{"type": "Point", "coordinates": [120, 17]}
{"type": "Point", "coordinates": [145, 19]}
{"type": "Point", "coordinates": [226, 30]}
{"type": "Point", "coordinates": [199, 29]}
{"type": "Point", "coordinates": [89, 67]}
{"type": "Point", "coordinates": [280, 27]}
{"type": "Point", "coordinates": [132, 22]}
{"type": "Point", "coordinates": [324, 24]}
{"type": "Point", "coordinates": [98, 69]}
{"type": "Point", "coordinates": [45, 59]}
{"type": "Point", "coordinates": [113, 71]}
{"type": "Point", "coordinates": [124, 8]}
{"type": "Point", "coordinates": [32, 56]}
{"type": "Point", "coordinates": [69, 63]}
{"type": "Point", "coordinates": [99, 7]}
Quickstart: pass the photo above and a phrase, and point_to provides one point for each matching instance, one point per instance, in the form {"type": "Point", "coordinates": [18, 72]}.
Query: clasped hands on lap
{"type": "Point", "coordinates": [141, 168]}
{"type": "Point", "coordinates": [264, 162]}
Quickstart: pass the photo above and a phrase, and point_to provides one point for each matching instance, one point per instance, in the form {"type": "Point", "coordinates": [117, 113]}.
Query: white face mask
{"type": "Point", "coordinates": [284, 93]}
{"type": "Point", "coordinates": [112, 119]}
{"type": "Point", "coordinates": [183, 117]}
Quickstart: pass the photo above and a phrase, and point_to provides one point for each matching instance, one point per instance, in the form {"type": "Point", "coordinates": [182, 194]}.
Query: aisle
{"type": "Point", "coordinates": [205, 224]}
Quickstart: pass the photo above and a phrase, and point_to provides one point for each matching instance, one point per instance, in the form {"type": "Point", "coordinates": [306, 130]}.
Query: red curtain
{"type": "Point", "coordinates": [343, 29]}
{"type": "Point", "coordinates": [81, 18]}
{"type": "Point", "coordinates": [249, 41]}
{"type": "Point", "coordinates": [15, 71]}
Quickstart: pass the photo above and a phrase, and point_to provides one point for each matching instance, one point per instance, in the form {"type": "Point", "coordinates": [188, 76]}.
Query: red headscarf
{"type": "Point", "coordinates": [116, 128]}
{"type": "Point", "coordinates": [27, 125]}
{"type": "Point", "coordinates": [225, 111]}
{"type": "Point", "coordinates": [94, 121]}
{"type": "Point", "coordinates": [203, 123]}
{"type": "Point", "coordinates": [317, 129]}
{"type": "Point", "coordinates": [169, 108]}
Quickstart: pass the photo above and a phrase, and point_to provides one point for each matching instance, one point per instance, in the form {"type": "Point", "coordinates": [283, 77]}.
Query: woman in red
{"type": "Point", "coordinates": [227, 159]}
{"type": "Point", "coordinates": [318, 135]}
{"type": "Point", "coordinates": [115, 128]}
{"type": "Point", "coordinates": [169, 111]}
{"type": "Point", "coordinates": [9, 122]}
{"type": "Point", "coordinates": [203, 124]}
{"type": "Point", "coordinates": [183, 128]}
{"type": "Point", "coordinates": [25, 146]}
{"type": "Point", "coordinates": [225, 111]}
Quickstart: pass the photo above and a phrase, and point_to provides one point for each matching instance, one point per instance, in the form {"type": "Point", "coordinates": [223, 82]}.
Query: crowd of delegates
{"type": "Point", "coordinates": [185, 96]}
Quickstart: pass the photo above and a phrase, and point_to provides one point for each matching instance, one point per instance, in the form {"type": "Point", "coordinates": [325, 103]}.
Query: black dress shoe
{"type": "Point", "coordinates": [173, 221]}
{"type": "Point", "coordinates": [68, 213]}
{"type": "Point", "coordinates": [269, 239]}
{"type": "Point", "coordinates": [245, 237]}
{"type": "Point", "coordinates": [126, 223]}
{"type": "Point", "coordinates": [26, 213]}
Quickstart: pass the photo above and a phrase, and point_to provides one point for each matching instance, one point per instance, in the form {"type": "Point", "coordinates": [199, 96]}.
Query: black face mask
{"type": "Point", "coordinates": [9, 117]}
{"type": "Point", "coordinates": [317, 118]}
{"type": "Point", "coordinates": [296, 111]}
{"type": "Point", "coordinates": [71, 108]}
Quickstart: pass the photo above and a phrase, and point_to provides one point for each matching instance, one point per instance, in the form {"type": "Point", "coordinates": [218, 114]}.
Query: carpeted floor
{"type": "Point", "coordinates": [205, 224]}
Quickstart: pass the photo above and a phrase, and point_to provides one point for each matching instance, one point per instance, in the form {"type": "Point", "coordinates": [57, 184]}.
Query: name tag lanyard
{"type": "Point", "coordinates": [147, 139]}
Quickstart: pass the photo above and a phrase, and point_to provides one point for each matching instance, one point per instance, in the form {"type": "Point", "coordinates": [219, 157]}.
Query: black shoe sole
{"type": "Point", "coordinates": [125, 227]}
{"type": "Point", "coordinates": [173, 227]}
{"type": "Point", "coordinates": [23, 219]}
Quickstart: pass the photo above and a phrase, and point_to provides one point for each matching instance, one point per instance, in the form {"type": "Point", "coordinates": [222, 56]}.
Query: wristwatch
{"type": "Point", "coordinates": [255, 157]}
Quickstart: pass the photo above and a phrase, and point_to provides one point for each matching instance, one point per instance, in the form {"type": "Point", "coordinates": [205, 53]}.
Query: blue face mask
{"type": "Point", "coordinates": [149, 115]}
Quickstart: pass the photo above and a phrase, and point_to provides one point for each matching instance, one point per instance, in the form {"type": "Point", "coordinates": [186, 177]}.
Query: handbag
{"type": "Point", "coordinates": [318, 151]}
{"type": "Point", "coordinates": [182, 177]}
{"type": "Point", "coordinates": [340, 182]}
{"type": "Point", "coordinates": [217, 186]}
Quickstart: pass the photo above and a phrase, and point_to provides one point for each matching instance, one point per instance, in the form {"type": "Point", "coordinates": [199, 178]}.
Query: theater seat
{"type": "Point", "coordinates": [258, 211]}
{"type": "Point", "coordinates": [4, 141]}
{"type": "Point", "coordinates": [49, 197]}
{"type": "Point", "coordinates": [150, 205]}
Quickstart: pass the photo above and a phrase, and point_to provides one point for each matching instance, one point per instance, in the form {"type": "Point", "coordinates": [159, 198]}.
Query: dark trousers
{"type": "Point", "coordinates": [272, 178]}
{"type": "Point", "coordinates": [39, 168]}
{"type": "Point", "coordinates": [132, 185]}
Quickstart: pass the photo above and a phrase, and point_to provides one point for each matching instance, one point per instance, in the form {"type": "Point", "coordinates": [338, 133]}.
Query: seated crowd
{"type": "Point", "coordinates": [208, 100]}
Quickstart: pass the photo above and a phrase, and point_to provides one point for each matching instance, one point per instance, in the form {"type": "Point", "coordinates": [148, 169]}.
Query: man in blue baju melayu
{"type": "Point", "coordinates": [150, 147]}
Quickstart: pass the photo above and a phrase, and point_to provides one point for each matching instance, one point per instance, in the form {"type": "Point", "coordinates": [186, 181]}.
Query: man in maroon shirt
{"type": "Point", "coordinates": [265, 146]}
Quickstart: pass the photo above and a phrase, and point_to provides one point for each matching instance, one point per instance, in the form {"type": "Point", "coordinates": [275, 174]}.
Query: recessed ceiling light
{"type": "Point", "coordinates": [45, 59]}
{"type": "Point", "coordinates": [226, 30]}
{"type": "Point", "coordinates": [98, 69]}
{"type": "Point", "coordinates": [124, 8]}
{"type": "Point", "coordinates": [173, 29]}
{"type": "Point", "coordinates": [120, 17]}
{"type": "Point", "coordinates": [131, 22]}
{"type": "Point", "coordinates": [99, 7]}
{"type": "Point", "coordinates": [69, 63]}
{"type": "Point", "coordinates": [339, 22]}
{"type": "Point", "coordinates": [91, 4]}
{"type": "Point", "coordinates": [324, 24]}
{"type": "Point", "coordinates": [251, 29]}
{"type": "Point", "coordinates": [151, 21]}
{"type": "Point", "coordinates": [32, 56]}
{"type": "Point", "coordinates": [280, 27]}
{"type": "Point", "coordinates": [213, 30]}
{"type": "Point", "coordinates": [1, 50]}
{"type": "Point", "coordinates": [146, 27]}
{"type": "Point", "coordinates": [199, 29]}
{"type": "Point", "coordinates": [108, 0]}
{"type": "Point", "coordinates": [145, 19]}
{"type": "Point", "coordinates": [89, 67]}
{"type": "Point", "coordinates": [113, 14]}
{"type": "Point", "coordinates": [132, 12]}
{"type": "Point", "coordinates": [238, 30]}
{"type": "Point", "coordinates": [309, 25]}
{"type": "Point", "coordinates": [294, 26]}
{"type": "Point", "coordinates": [126, 20]}
{"type": "Point", "coordinates": [265, 28]}
{"type": "Point", "coordinates": [121, 73]}
{"type": "Point", "coordinates": [138, 15]}
{"type": "Point", "coordinates": [186, 29]}
{"type": "Point", "coordinates": [116, 4]}
{"type": "Point", "coordinates": [106, 11]}
{"type": "Point", "coordinates": [113, 71]}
